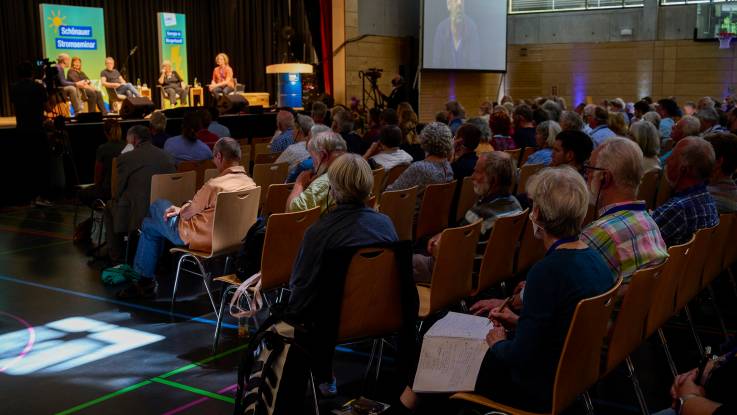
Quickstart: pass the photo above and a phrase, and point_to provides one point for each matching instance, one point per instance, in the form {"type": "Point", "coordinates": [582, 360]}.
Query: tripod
{"type": "Point", "coordinates": [371, 92]}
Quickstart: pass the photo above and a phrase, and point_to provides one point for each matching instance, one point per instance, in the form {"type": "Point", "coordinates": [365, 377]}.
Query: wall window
{"type": "Point", "coordinates": [677, 2]}
{"type": "Point", "coordinates": [537, 6]}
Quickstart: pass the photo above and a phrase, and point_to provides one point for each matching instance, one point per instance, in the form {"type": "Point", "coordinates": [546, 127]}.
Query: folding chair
{"type": "Point", "coordinates": [434, 209]}
{"type": "Point", "coordinates": [399, 205]}
{"type": "Point", "coordinates": [276, 199]}
{"type": "Point", "coordinates": [394, 174]}
{"type": "Point", "coordinates": [267, 174]}
{"type": "Point", "coordinates": [466, 198]}
{"type": "Point", "coordinates": [531, 250]}
{"type": "Point", "coordinates": [174, 187]}
{"type": "Point", "coordinates": [525, 172]}
{"type": "Point", "coordinates": [379, 175]}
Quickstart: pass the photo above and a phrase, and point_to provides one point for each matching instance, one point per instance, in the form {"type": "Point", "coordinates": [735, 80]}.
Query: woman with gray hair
{"type": "Point", "coordinates": [646, 135]}
{"type": "Point", "coordinates": [545, 134]}
{"type": "Point", "coordinates": [297, 152]}
{"type": "Point", "coordinates": [311, 187]}
{"type": "Point", "coordinates": [437, 142]}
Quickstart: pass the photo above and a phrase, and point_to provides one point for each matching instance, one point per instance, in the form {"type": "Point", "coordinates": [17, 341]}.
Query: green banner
{"type": "Point", "coordinates": [76, 31]}
{"type": "Point", "coordinates": [173, 42]}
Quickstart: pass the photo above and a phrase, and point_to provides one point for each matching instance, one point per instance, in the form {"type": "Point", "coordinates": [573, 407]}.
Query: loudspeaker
{"type": "Point", "coordinates": [136, 107]}
{"type": "Point", "coordinates": [88, 117]}
{"type": "Point", "coordinates": [232, 104]}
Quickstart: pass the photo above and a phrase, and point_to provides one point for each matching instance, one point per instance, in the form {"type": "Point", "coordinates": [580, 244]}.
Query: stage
{"type": "Point", "coordinates": [16, 161]}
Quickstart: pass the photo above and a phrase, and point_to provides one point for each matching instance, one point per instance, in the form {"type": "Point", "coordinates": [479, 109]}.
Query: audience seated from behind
{"type": "Point", "coordinates": [501, 126]}
{"type": "Point", "coordinates": [297, 152]}
{"type": "Point", "coordinates": [624, 234]}
{"type": "Point", "coordinates": [307, 164]}
{"type": "Point", "coordinates": [709, 119]}
{"type": "Point", "coordinates": [464, 151]}
{"type": "Point", "coordinates": [187, 147]}
{"type": "Point", "coordinates": [386, 152]}
{"type": "Point", "coordinates": [524, 127]}
{"type": "Point", "coordinates": [721, 185]}
{"type": "Point", "coordinates": [214, 126]}
{"type": "Point", "coordinates": [204, 134]}
{"type": "Point", "coordinates": [131, 201]}
{"type": "Point", "coordinates": [492, 177]}
{"type": "Point", "coordinates": [668, 110]}
{"type": "Point", "coordinates": [572, 148]}
{"type": "Point", "coordinates": [545, 135]}
{"type": "Point", "coordinates": [104, 156]}
{"type": "Point", "coordinates": [408, 124]}
{"type": "Point", "coordinates": [519, 367]}
{"type": "Point", "coordinates": [285, 129]}
{"type": "Point", "coordinates": [688, 126]}
{"type": "Point", "coordinates": [599, 123]}
{"type": "Point", "coordinates": [157, 125]}
{"type": "Point", "coordinates": [343, 125]}
{"type": "Point", "coordinates": [618, 123]}
{"type": "Point", "coordinates": [455, 114]}
{"type": "Point", "coordinates": [691, 208]}
{"type": "Point", "coordinates": [485, 139]}
{"type": "Point", "coordinates": [351, 224]}
{"type": "Point", "coordinates": [374, 126]}
{"type": "Point", "coordinates": [647, 137]}
{"type": "Point", "coordinates": [191, 224]}
{"type": "Point", "coordinates": [320, 113]}
{"type": "Point", "coordinates": [436, 141]}
{"type": "Point", "coordinates": [570, 121]}
{"type": "Point", "coordinates": [311, 188]}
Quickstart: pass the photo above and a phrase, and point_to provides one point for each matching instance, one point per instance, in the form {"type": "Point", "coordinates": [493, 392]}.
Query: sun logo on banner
{"type": "Point", "coordinates": [56, 19]}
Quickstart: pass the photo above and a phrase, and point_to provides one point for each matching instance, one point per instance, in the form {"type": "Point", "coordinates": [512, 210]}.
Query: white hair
{"type": "Point", "coordinates": [647, 137]}
{"type": "Point", "coordinates": [351, 179]}
{"type": "Point", "coordinates": [622, 157]}
{"type": "Point", "coordinates": [562, 199]}
{"type": "Point", "coordinates": [690, 125]}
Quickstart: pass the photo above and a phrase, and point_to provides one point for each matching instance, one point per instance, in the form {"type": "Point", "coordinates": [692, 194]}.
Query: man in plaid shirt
{"type": "Point", "coordinates": [625, 234]}
{"type": "Point", "coordinates": [692, 207]}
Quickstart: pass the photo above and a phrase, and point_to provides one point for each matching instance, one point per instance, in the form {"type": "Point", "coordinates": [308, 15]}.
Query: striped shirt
{"type": "Point", "coordinates": [627, 238]}
{"type": "Point", "coordinates": [685, 213]}
{"type": "Point", "coordinates": [724, 193]}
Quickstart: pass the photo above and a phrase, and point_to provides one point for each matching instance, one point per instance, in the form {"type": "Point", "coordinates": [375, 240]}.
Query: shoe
{"type": "Point", "coordinates": [41, 202]}
{"type": "Point", "coordinates": [145, 288]}
{"type": "Point", "coordinates": [329, 389]}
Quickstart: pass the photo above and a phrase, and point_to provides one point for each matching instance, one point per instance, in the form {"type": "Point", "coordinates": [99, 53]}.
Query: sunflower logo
{"type": "Point", "coordinates": [56, 19]}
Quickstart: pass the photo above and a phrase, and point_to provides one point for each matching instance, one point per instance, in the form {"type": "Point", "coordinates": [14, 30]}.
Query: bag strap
{"type": "Point", "coordinates": [255, 303]}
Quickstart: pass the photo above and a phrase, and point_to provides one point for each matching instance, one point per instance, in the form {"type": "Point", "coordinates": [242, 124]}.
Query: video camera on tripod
{"type": "Point", "coordinates": [372, 93]}
{"type": "Point", "coordinates": [373, 74]}
{"type": "Point", "coordinates": [45, 71]}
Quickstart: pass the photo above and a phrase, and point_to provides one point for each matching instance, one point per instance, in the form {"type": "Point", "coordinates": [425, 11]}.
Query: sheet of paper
{"type": "Point", "coordinates": [459, 325]}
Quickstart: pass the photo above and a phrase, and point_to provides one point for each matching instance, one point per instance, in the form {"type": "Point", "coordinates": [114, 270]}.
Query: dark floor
{"type": "Point", "coordinates": [67, 346]}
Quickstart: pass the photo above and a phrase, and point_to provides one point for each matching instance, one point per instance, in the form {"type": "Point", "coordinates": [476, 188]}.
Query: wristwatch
{"type": "Point", "coordinates": [682, 400]}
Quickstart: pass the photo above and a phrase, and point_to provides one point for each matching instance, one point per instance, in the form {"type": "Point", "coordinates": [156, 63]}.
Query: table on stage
{"type": "Point", "coordinates": [196, 91]}
{"type": "Point", "coordinates": [145, 92]}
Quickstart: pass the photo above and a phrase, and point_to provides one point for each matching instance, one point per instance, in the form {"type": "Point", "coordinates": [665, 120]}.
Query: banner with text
{"type": "Point", "coordinates": [173, 42]}
{"type": "Point", "coordinates": [76, 31]}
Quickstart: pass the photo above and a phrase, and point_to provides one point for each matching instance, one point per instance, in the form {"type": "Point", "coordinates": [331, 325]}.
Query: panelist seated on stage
{"type": "Point", "coordinates": [111, 78]}
{"type": "Point", "coordinates": [67, 87]}
{"type": "Point", "coordinates": [172, 84]}
{"type": "Point", "coordinates": [86, 90]}
{"type": "Point", "coordinates": [222, 77]}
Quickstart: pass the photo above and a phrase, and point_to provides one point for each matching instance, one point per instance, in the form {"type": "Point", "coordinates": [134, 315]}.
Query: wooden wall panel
{"type": "Point", "coordinates": [469, 88]}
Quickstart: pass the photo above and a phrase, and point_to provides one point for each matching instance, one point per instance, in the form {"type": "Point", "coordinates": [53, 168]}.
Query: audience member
{"type": "Point", "coordinates": [705, 103]}
{"type": "Point", "coordinates": [374, 126]}
{"type": "Point", "coordinates": [688, 126]}
{"type": "Point", "coordinates": [572, 148]}
{"type": "Point", "coordinates": [709, 119]}
{"type": "Point", "coordinates": [386, 152]}
{"type": "Point", "coordinates": [625, 234]}
{"type": "Point", "coordinates": [653, 118]}
{"type": "Point", "coordinates": [667, 110]}
{"type": "Point", "coordinates": [204, 134]}
{"type": "Point", "coordinates": [131, 201]}
{"type": "Point", "coordinates": [641, 108]}
{"type": "Point", "coordinates": [485, 110]}
{"type": "Point", "coordinates": [187, 147]}
{"type": "Point", "coordinates": [553, 108]}
{"type": "Point", "coordinates": [343, 125]}
{"type": "Point", "coordinates": [618, 123]}
{"type": "Point", "coordinates": [407, 122]}
{"type": "Point", "coordinates": [319, 113]}
{"type": "Point", "coordinates": [307, 164]}
{"type": "Point", "coordinates": [485, 139]}
{"type": "Point", "coordinates": [545, 135]}
{"type": "Point", "coordinates": [493, 177]}
{"type": "Point", "coordinates": [539, 115]}
{"type": "Point", "coordinates": [646, 136]}
{"type": "Point", "coordinates": [524, 127]}
{"type": "Point", "coordinates": [721, 185]}
{"type": "Point", "coordinates": [157, 125]}
{"type": "Point", "coordinates": [464, 155]}
{"type": "Point", "coordinates": [570, 121]}
{"type": "Point", "coordinates": [191, 224]}
{"type": "Point", "coordinates": [389, 117]}
{"type": "Point", "coordinates": [599, 123]}
{"type": "Point", "coordinates": [689, 108]}
{"type": "Point", "coordinates": [215, 127]}
{"type": "Point", "coordinates": [691, 208]}
{"type": "Point", "coordinates": [104, 156]}
{"type": "Point", "coordinates": [456, 114]}
{"type": "Point", "coordinates": [284, 124]}
{"type": "Point", "coordinates": [297, 152]}
{"type": "Point", "coordinates": [311, 188]}
{"type": "Point", "coordinates": [501, 125]}
{"type": "Point", "coordinates": [442, 117]}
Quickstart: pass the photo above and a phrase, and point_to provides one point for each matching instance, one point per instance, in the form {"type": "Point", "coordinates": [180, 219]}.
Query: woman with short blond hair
{"type": "Point", "coordinates": [222, 77]}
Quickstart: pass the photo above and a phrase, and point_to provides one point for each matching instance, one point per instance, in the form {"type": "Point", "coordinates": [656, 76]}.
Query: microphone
{"type": "Point", "coordinates": [135, 48]}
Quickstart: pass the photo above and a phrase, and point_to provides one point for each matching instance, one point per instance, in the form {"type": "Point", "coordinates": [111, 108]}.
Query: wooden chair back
{"type": "Point", "coordinates": [245, 156]}
{"type": "Point", "coordinates": [198, 167]}
{"type": "Point", "coordinates": [628, 331]}
{"type": "Point", "coordinates": [435, 209]}
{"type": "Point", "coordinates": [276, 199]}
{"type": "Point", "coordinates": [497, 264]}
{"type": "Point", "coordinates": [451, 274]}
{"type": "Point", "coordinates": [394, 173]}
{"type": "Point", "coordinates": [372, 303]}
{"type": "Point", "coordinates": [379, 176]}
{"type": "Point", "coordinates": [266, 158]}
{"type": "Point", "coordinates": [235, 213]}
{"type": "Point", "coordinates": [648, 189]}
{"type": "Point", "coordinates": [690, 284]}
{"type": "Point", "coordinates": [717, 249]}
{"type": "Point", "coordinates": [526, 154]}
{"type": "Point", "coordinates": [209, 174]}
{"type": "Point", "coordinates": [525, 172]}
{"type": "Point", "coordinates": [664, 191]}
{"type": "Point", "coordinates": [284, 234]}
{"type": "Point", "coordinates": [515, 154]}
{"type": "Point", "coordinates": [663, 305]}
{"type": "Point", "coordinates": [466, 199]}
{"type": "Point", "coordinates": [578, 367]}
{"type": "Point", "coordinates": [267, 174]}
{"type": "Point", "coordinates": [399, 205]}
{"type": "Point", "coordinates": [174, 187]}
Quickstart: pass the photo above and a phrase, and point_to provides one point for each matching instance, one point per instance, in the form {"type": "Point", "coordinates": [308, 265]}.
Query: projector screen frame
{"type": "Point", "coordinates": [422, 46]}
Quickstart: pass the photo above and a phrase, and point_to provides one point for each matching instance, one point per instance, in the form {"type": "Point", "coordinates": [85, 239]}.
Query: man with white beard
{"type": "Point", "coordinates": [492, 177]}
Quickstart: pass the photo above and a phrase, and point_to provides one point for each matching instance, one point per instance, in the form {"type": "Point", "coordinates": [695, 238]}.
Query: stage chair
{"type": "Point", "coordinates": [235, 213]}
{"type": "Point", "coordinates": [165, 104]}
{"type": "Point", "coordinates": [530, 251]}
{"type": "Point", "coordinates": [648, 189]}
{"type": "Point", "coordinates": [177, 188]}
{"type": "Point", "coordinates": [434, 209]}
{"type": "Point", "coordinates": [663, 306]}
{"type": "Point", "coordinates": [451, 274]}
{"type": "Point", "coordinates": [114, 99]}
{"type": "Point", "coordinates": [394, 173]}
{"type": "Point", "coordinates": [268, 174]}
{"type": "Point", "coordinates": [276, 199]}
{"type": "Point", "coordinates": [497, 263]}
{"type": "Point", "coordinates": [525, 172]}
{"type": "Point", "coordinates": [284, 234]}
{"type": "Point", "coordinates": [379, 175]}
{"type": "Point", "coordinates": [578, 368]}
{"type": "Point", "coordinates": [466, 199]}
{"type": "Point", "coordinates": [529, 150]}
{"type": "Point", "coordinates": [399, 205]}
{"type": "Point", "coordinates": [627, 331]}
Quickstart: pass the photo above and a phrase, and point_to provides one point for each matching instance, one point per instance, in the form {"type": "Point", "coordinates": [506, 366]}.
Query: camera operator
{"type": "Point", "coordinates": [398, 94]}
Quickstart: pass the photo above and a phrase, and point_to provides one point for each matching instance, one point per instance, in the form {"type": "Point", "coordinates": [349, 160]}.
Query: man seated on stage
{"type": "Point", "coordinates": [111, 78]}
{"type": "Point", "coordinates": [190, 224]}
{"type": "Point", "coordinates": [172, 84]}
{"type": "Point", "coordinates": [222, 77]}
{"type": "Point", "coordinates": [87, 91]}
{"type": "Point", "coordinates": [67, 87]}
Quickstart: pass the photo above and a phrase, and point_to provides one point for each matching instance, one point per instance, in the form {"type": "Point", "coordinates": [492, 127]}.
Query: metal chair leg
{"type": "Point", "coordinates": [220, 315]}
{"type": "Point", "coordinates": [636, 385]}
{"type": "Point", "coordinates": [313, 386]}
{"type": "Point", "coordinates": [693, 331]}
{"type": "Point", "coordinates": [176, 281]}
{"type": "Point", "coordinates": [668, 356]}
{"type": "Point", "coordinates": [718, 312]}
{"type": "Point", "coordinates": [378, 362]}
{"type": "Point", "coordinates": [588, 403]}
